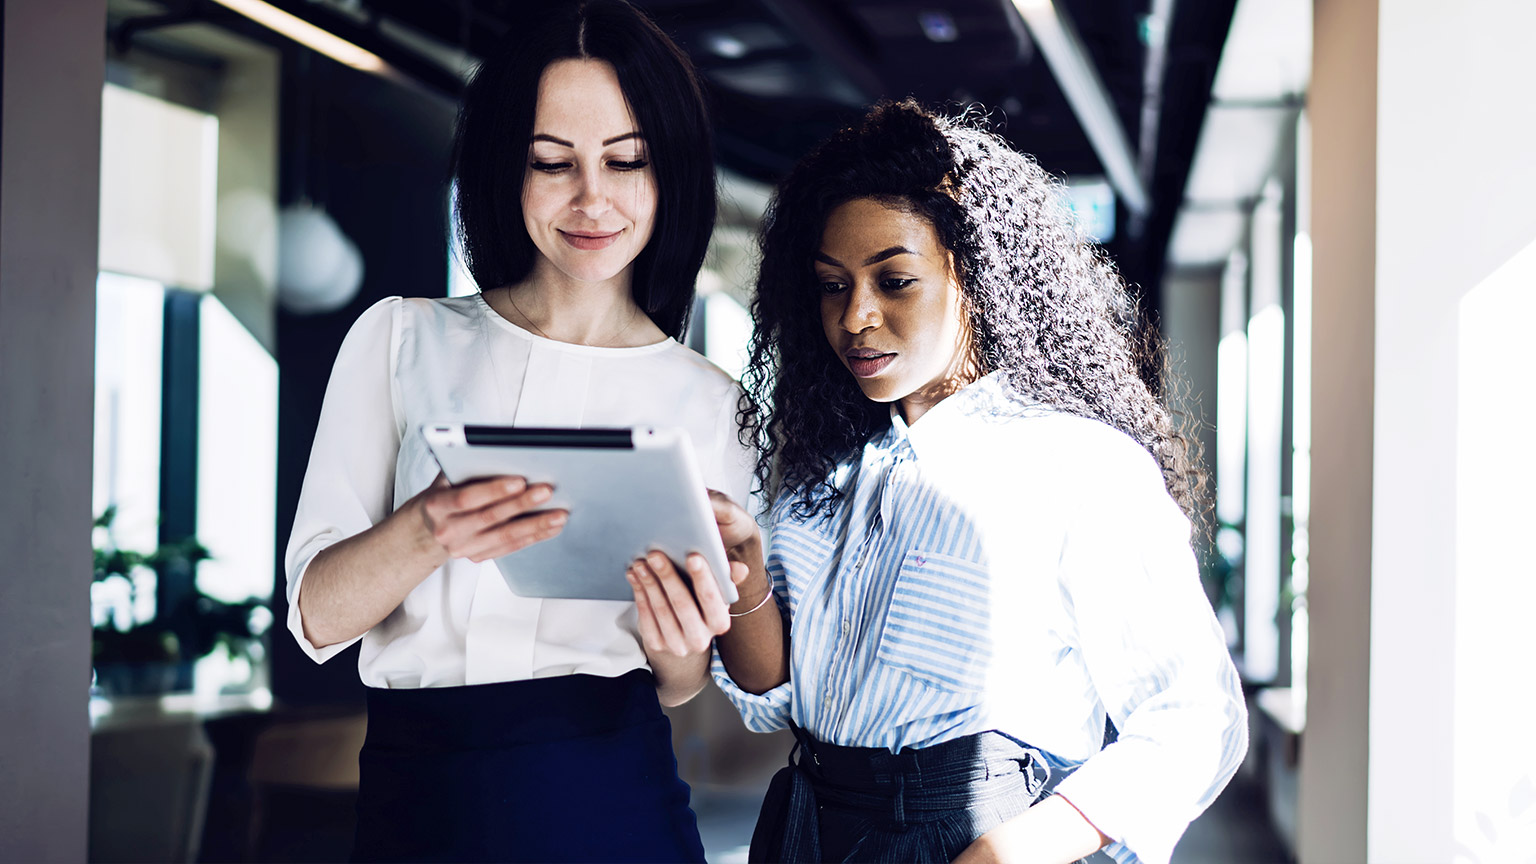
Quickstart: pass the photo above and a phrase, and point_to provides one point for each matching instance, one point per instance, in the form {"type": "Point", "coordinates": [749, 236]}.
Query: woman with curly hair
{"type": "Point", "coordinates": [992, 643]}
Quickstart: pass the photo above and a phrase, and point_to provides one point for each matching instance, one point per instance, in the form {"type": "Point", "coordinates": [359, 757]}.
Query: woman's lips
{"type": "Point", "coordinates": [869, 366]}
{"type": "Point", "coordinates": [589, 242]}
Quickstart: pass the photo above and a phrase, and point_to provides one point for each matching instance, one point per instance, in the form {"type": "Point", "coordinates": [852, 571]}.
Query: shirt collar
{"type": "Point", "coordinates": [940, 424]}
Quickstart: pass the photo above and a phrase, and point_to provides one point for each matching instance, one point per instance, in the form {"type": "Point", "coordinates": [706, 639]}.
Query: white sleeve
{"type": "Point", "coordinates": [1157, 658]}
{"type": "Point", "coordinates": [736, 460]}
{"type": "Point", "coordinates": [349, 486]}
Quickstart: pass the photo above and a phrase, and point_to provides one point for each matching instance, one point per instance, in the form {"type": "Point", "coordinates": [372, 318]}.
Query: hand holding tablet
{"type": "Point", "coordinates": [628, 492]}
{"type": "Point", "coordinates": [485, 519]}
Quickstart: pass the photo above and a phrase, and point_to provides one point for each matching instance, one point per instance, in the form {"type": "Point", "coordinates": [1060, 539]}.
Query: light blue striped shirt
{"type": "Point", "coordinates": [1019, 569]}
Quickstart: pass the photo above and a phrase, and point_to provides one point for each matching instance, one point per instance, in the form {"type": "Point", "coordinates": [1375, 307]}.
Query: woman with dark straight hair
{"type": "Point", "coordinates": [666, 104]}
{"type": "Point", "coordinates": [503, 727]}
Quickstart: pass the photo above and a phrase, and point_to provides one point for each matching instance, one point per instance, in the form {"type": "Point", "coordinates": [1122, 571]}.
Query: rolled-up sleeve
{"type": "Point", "coordinates": [1157, 659]}
{"type": "Point", "coordinates": [768, 712]}
{"type": "Point", "coordinates": [349, 485]}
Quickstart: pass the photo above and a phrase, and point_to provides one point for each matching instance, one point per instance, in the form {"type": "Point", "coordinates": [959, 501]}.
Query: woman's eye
{"type": "Point", "coordinates": [832, 287]}
{"type": "Point", "coordinates": [895, 284]}
{"type": "Point", "coordinates": [549, 167]}
{"type": "Point", "coordinates": [631, 165]}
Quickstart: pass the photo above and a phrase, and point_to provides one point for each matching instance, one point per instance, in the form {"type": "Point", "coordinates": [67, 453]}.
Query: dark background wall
{"type": "Point", "coordinates": [375, 155]}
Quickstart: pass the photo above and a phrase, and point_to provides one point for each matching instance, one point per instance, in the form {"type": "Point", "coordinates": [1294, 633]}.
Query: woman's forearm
{"type": "Point", "coordinates": [351, 586]}
{"type": "Point", "coordinates": [756, 648]}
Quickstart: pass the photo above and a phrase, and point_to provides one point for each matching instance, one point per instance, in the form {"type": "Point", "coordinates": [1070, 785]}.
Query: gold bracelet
{"type": "Point", "coordinates": [760, 604]}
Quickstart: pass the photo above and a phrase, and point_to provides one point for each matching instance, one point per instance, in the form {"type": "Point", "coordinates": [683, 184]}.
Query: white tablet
{"type": "Point", "coordinates": [628, 491]}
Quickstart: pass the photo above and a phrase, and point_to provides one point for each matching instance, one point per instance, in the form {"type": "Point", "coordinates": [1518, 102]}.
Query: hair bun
{"type": "Point", "coordinates": [907, 135]}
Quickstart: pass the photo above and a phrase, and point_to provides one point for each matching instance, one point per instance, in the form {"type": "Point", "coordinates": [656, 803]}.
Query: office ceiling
{"type": "Point", "coordinates": [782, 74]}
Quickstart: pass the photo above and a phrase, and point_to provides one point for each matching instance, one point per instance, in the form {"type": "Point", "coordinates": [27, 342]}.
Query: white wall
{"type": "Point", "coordinates": [1424, 188]}
{"type": "Point", "coordinates": [1456, 200]}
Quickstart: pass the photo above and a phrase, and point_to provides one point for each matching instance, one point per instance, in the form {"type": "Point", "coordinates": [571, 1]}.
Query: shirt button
{"type": "Point", "coordinates": [845, 626]}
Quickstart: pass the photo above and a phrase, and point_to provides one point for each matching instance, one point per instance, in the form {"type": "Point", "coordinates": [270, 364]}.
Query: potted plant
{"type": "Point", "coordinates": [134, 656]}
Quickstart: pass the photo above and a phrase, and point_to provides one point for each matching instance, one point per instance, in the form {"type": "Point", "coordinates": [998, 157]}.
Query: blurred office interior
{"type": "Point", "coordinates": [1325, 208]}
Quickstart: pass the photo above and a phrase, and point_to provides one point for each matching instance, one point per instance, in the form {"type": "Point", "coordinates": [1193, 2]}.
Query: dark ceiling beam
{"type": "Point", "coordinates": [788, 54]}
{"type": "Point", "coordinates": [124, 31]}
{"type": "Point", "coordinates": [762, 138]}
{"type": "Point", "coordinates": [457, 24]}
{"type": "Point", "coordinates": [1196, 34]}
{"type": "Point", "coordinates": [837, 38]}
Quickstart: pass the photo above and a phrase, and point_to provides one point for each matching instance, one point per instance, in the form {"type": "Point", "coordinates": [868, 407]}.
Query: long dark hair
{"type": "Point", "coordinates": [496, 122]}
{"type": "Point", "coordinates": [1047, 310]}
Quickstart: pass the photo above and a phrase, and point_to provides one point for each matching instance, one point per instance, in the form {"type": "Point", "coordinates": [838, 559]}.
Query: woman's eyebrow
{"type": "Point", "coordinates": [564, 143]}
{"type": "Point", "coordinates": [876, 258]}
{"type": "Point", "coordinates": [892, 252]}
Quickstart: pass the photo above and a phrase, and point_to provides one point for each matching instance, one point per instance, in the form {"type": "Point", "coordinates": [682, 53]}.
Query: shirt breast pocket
{"type": "Point", "coordinates": [939, 626]}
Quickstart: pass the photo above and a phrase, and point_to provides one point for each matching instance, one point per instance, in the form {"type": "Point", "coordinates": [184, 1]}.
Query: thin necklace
{"type": "Point", "coordinates": [524, 315]}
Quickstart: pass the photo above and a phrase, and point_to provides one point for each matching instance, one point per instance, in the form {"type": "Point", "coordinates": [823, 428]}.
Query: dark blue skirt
{"type": "Point", "coordinates": [576, 768]}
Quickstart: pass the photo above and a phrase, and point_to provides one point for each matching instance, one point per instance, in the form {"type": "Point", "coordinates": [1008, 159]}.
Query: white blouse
{"type": "Point", "coordinates": [408, 362]}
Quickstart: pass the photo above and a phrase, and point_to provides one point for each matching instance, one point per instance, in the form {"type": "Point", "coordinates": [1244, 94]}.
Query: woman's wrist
{"type": "Point", "coordinates": [767, 595]}
{"type": "Point", "coordinates": [753, 594]}
{"type": "Point", "coordinates": [421, 545]}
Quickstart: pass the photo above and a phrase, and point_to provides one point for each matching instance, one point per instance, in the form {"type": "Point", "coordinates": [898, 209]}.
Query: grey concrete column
{"type": "Point", "coordinates": [50, 142]}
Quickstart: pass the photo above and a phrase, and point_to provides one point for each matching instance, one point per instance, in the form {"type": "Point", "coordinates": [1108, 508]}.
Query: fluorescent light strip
{"type": "Point", "coordinates": [309, 35]}
{"type": "Point", "coordinates": [1089, 99]}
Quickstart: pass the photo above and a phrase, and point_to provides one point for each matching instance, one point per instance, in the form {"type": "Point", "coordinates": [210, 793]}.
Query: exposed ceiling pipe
{"type": "Point", "coordinates": [1085, 91]}
{"type": "Point", "coordinates": [335, 32]}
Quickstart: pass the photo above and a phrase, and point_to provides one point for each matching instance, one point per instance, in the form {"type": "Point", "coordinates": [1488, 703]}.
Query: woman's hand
{"type": "Point", "coordinates": [737, 529]}
{"type": "Point", "coordinates": [487, 519]}
{"type": "Point", "coordinates": [1050, 832]}
{"type": "Point", "coordinates": [678, 623]}
{"type": "Point", "coordinates": [674, 618]}
{"type": "Point", "coordinates": [352, 585]}
{"type": "Point", "coordinates": [744, 548]}
{"type": "Point", "coordinates": [756, 650]}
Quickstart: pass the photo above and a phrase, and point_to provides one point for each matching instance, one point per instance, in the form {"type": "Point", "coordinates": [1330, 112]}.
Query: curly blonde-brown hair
{"type": "Point", "coordinates": [1047, 309]}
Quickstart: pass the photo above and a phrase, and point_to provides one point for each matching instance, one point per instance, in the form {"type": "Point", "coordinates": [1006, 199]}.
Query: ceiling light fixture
{"type": "Point", "coordinates": [725, 45]}
{"type": "Point", "coordinates": [1068, 59]}
{"type": "Point", "coordinates": [309, 35]}
{"type": "Point", "coordinates": [938, 26]}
